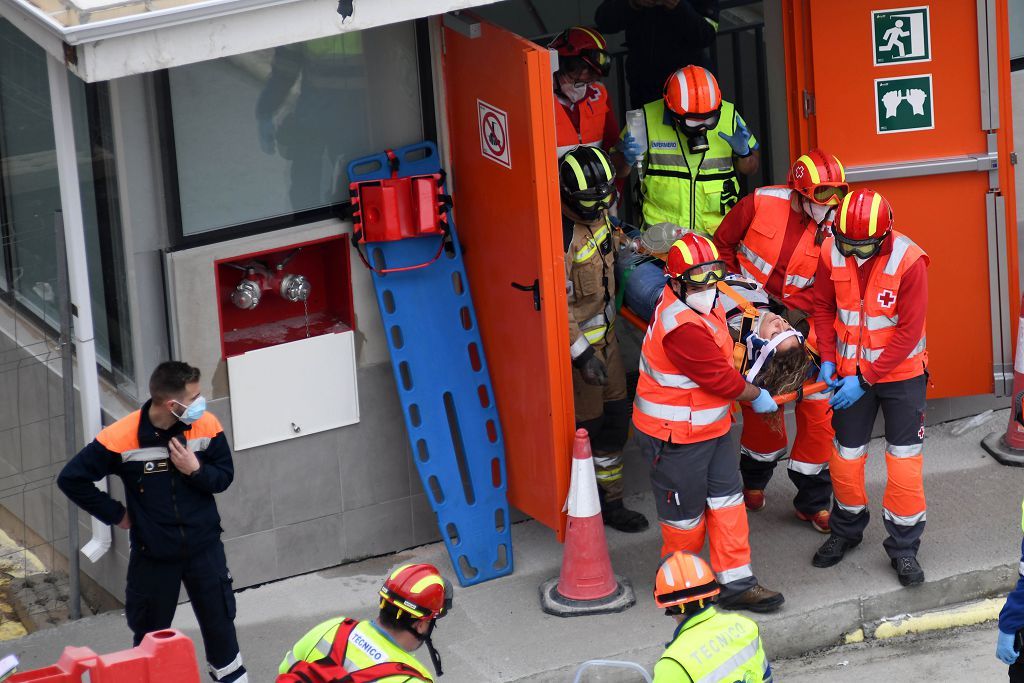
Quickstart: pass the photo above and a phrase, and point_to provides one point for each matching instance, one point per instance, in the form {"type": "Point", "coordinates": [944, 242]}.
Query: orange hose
{"type": "Point", "coordinates": [807, 389]}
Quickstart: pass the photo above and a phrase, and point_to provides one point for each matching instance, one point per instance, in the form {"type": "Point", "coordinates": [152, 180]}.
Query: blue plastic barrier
{"type": "Point", "coordinates": [443, 382]}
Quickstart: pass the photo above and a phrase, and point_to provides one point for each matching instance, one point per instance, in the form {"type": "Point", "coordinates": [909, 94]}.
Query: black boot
{"type": "Point", "coordinates": [619, 517]}
{"type": "Point", "coordinates": [832, 551]}
{"type": "Point", "coordinates": [908, 570]}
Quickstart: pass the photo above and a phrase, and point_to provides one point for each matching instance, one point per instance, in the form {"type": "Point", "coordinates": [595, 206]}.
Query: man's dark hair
{"type": "Point", "coordinates": [170, 377]}
{"type": "Point", "coordinates": [395, 619]}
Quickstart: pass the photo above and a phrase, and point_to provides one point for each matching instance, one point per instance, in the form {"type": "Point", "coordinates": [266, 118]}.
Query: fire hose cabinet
{"type": "Point", "coordinates": [287, 333]}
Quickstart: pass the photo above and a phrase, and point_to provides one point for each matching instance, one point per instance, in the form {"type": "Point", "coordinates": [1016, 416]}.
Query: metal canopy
{"type": "Point", "coordinates": [100, 40]}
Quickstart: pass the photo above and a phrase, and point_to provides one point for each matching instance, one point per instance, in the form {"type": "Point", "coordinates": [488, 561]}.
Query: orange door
{"type": "Point", "coordinates": [502, 131]}
{"type": "Point", "coordinates": [915, 101]}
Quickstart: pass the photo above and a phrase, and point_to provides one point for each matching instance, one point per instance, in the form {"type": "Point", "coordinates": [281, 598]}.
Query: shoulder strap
{"type": "Point", "coordinates": [739, 349]}
{"type": "Point", "coordinates": [369, 674]}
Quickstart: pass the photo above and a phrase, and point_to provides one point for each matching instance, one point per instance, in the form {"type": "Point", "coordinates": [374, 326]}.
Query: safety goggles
{"type": "Point", "coordinates": [598, 60]}
{"type": "Point", "coordinates": [860, 248]}
{"type": "Point", "coordinates": [829, 195]}
{"type": "Point", "coordinates": [599, 197]}
{"type": "Point", "coordinates": [704, 273]}
{"type": "Point", "coordinates": [698, 122]}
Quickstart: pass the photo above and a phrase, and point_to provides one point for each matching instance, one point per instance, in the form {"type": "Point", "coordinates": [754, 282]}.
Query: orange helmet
{"type": "Point", "coordinates": [585, 45]}
{"type": "Point", "coordinates": [694, 259]}
{"type": "Point", "coordinates": [864, 221]}
{"type": "Point", "coordinates": [820, 177]}
{"type": "Point", "coordinates": [419, 590]}
{"type": "Point", "coordinates": [683, 577]}
{"type": "Point", "coordinates": [693, 98]}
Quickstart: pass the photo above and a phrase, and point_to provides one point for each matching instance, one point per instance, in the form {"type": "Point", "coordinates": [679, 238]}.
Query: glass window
{"type": "Point", "coordinates": [30, 196]}
{"type": "Point", "coordinates": [1016, 29]}
{"type": "Point", "coordinates": [268, 134]}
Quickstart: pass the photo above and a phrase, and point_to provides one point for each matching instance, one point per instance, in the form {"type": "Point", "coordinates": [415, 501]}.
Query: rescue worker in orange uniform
{"type": "Point", "coordinates": [412, 599]}
{"type": "Point", "coordinates": [871, 292]}
{"type": "Point", "coordinates": [598, 376]}
{"type": "Point", "coordinates": [774, 237]}
{"type": "Point", "coordinates": [682, 419]}
{"type": "Point", "coordinates": [583, 112]}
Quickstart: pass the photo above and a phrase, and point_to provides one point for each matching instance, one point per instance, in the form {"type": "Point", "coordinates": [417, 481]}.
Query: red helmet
{"type": "Point", "coordinates": [864, 220]}
{"type": "Point", "coordinates": [694, 259]}
{"type": "Point", "coordinates": [584, 44]}
{"type": "Point", "coordinates": [683, 577]}
{"type": "Point", "coordinates": [820, 177]}
{"type": "Point", "coordinates": [418, 589]}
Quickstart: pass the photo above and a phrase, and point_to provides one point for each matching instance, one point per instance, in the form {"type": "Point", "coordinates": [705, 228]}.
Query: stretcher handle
{"type": "Point", "coordinates": [804, 391]}
{"type": "Point", "coordinates": [633, 319]}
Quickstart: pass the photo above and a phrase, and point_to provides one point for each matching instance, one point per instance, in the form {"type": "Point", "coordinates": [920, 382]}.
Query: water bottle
{"type": "Point", "coordinates": [637, 126]}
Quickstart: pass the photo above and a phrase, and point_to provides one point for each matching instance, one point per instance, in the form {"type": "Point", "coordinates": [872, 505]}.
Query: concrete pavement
{"type": "Point", "coordinates": [498, 633]}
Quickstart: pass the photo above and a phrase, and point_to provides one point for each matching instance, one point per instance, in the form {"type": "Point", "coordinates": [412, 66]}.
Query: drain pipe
{"type": "Point", "coordinates": [86, 373]}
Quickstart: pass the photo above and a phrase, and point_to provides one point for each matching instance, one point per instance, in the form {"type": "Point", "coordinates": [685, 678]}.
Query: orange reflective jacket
{"type": "Point", "coordinates": [866, 321]}
{"type": "Point", "coordinates": [669, 405]}
{"type": "Point", "coordinates": [759, 251]}
{"type": "Point", "coordinates": [593, 110]}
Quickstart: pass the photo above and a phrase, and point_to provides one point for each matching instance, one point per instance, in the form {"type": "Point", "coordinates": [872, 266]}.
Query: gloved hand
{"type": "Point", "coordinates": [739, 140]}
{"type": "Point", "coordinates": [828, 374]}
{"type": "Point", "coordinates": [266, 133]}
{"type": "Point", "coordinates": [1005, 650]}
{"type": "Point", "coordinates": [848, 391]}
{"type": "Point", "coordinates": [631, 149]}
{"type": "Point", "coordinates": [764, 403]}
{"type": "Point", "coordinates": [591, 367]}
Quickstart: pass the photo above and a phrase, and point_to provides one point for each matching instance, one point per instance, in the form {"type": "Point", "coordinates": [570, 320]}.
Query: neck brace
{"type": "Point", "coordinates": [767, 351]}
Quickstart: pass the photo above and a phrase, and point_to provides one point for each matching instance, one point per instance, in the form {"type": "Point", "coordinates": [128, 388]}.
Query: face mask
{"type": "Point", "coordinates": [703, 302]}
{"type": "Point", "coordinates": [817, 212]}
{"type": "Point", "coordinates": [191, 412]}
{"type": "Point", "coordinates": [574, 91]}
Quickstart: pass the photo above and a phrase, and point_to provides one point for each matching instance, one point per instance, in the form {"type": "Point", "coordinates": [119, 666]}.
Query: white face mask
{"type": "Point", "coordinates": [817, 212]}
{"type": "Point", "coordinates": [703, 302]}
{"type": "Point", "coordinates": [574, 91]}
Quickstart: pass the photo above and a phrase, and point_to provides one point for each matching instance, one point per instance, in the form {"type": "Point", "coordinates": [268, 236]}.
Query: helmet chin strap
{"type": "Point", "coordinates": [435, 658]}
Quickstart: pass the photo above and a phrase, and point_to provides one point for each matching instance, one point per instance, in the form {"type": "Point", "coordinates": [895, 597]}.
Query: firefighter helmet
{"type": "Point", "coordinates": [419, 590]}
{"type": "Point", "coordinates": [694, 259]}
{"type": "Point", "coordinates": [585, 177]}
{"type": "Point", "coordinates": [820, 177]}
{"type": "Point", "coordinates": [683, 577]}
{"type": "Point", "coordinates": [580, 45]}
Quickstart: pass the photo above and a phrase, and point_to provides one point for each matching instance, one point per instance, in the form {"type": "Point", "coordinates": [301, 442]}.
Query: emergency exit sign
{"type": "Point", "coordinates": [901, 35]}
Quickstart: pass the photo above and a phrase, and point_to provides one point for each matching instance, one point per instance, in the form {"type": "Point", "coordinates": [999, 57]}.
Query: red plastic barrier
{"type": "Point", "coordinates": [163, 656]}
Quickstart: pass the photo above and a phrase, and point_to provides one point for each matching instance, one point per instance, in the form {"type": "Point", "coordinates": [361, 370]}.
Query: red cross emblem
{"type": "Point", "coordinates": [887, 298]}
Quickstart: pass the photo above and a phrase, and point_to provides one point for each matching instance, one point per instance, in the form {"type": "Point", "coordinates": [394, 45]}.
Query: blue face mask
{"type": "Point", "coordinates": [192, 412]}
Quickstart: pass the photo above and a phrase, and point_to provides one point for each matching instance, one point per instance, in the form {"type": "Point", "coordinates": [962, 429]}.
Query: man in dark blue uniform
{"type": "Point", "coordinates": [172, 457]}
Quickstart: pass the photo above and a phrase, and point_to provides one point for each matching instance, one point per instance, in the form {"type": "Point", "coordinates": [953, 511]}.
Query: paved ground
{"type": "Point", "coordinates": [962, 654]}
{"type": "Point", "coordinates": [497, 632]}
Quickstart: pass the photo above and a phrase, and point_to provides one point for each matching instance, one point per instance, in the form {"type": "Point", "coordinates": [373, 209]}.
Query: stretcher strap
{"type": "Point", "coordinates": [739, 349]}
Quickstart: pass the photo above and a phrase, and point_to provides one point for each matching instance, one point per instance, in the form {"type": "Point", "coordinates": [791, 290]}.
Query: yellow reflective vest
{"type": "Point", "coordinates": [367, 647]}
{"type": "Point", "coordinates": [693, 191]}
{"type": "Point", "coordinates": [714, 647]}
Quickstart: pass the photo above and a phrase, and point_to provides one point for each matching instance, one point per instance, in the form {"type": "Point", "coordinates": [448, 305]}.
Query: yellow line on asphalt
{"type": "Point", "coordinates": [963, 615]}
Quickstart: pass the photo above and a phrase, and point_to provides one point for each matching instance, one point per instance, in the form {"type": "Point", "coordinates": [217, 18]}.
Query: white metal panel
{"type": "Point", "coordinates": [294, 389]}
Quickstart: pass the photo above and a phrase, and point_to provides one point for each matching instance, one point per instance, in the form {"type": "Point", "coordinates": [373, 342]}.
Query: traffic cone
{"type": "Point", "coordinates": [586, 584]}
{"type": "Point", "coordinates": [1008, 448]}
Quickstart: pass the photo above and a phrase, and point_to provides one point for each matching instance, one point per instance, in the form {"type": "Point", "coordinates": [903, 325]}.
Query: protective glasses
{"type": "Point", "coordinates": [860, 248]}
{"type": "Point", "coordinates": [704, 273]}
{"type": "Point", "coordinates": [830, 195]}
{"type": "Point", "coordinates": [601, 196]}
{"type": "Point", "coordinates": [598, 60]}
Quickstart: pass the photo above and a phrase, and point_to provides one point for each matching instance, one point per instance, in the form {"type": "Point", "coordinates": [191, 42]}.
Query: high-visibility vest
{"type": "Point", "coordinates": [761, 246]}
{"type": "Point", "coordinates": [669, 191]}
{"type": "Point", "coordinates": [344, 646]}
{"type": "Point", "coordinates": [593, 110]}
{"type": "Point", "coordinates": [865, 322]}
{"type": "Point", "coordinates": [669, 405]}
{"type": "Point", "coordinates": [719, 647]}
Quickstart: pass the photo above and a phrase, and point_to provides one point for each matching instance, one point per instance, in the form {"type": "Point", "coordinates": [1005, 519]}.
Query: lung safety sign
{"type": "Point", "coordinates": [493, 124]}
{"type": "Point", "coordinates": [902, 36]}
{"type": "Point", "coordinates": [904, 104]}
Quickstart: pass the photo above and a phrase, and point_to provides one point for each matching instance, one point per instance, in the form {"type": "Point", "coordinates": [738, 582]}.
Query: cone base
{"type": "Point", "coordinates": [553, 602]}
{"type": "Point", "coordinates": [995, 444]}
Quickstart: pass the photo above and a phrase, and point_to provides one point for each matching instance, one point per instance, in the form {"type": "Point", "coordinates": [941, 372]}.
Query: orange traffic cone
{"type": "Point", "coordinates": [586, 584]}
{"type": "Point", "coordinates": [1008, 448]}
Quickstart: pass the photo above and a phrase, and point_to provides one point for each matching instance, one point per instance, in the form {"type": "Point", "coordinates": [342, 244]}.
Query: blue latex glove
{"type": "Point", "coordinates": [739, 140]}
{"type": "Point", "coordinates": [828, 374]}
{"type": "Point", "coordinates": [764, 403]}
{"type": "Point", "coordinates": [631, 149]}
{"type": "Point", "coordinates": [848, 392]}
{"type": "Point", "coordinates": [1005, 651]}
